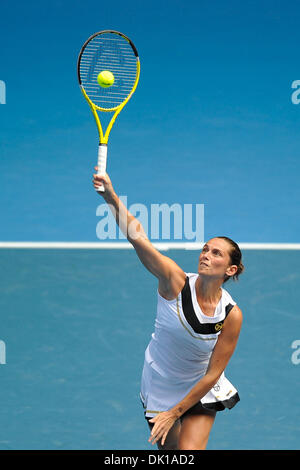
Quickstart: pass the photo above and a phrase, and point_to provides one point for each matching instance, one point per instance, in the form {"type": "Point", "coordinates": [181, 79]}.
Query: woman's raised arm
{"type": "Point", "coordinates": [170, 276]}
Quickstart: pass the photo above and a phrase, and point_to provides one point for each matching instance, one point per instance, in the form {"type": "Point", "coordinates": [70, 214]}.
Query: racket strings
{"type": "Point", "coordinates": [111, 52]}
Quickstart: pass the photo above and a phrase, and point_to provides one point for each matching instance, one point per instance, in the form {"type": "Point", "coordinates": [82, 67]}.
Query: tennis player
{"type": "Point", "coordinates": [196, 331]}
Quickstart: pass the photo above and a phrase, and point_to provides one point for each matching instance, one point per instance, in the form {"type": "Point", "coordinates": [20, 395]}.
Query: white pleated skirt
{"type": "Point", "coordinates": [159, 393]}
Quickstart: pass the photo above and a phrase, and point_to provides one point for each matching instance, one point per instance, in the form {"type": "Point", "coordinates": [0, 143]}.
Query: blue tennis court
{"type": "Point", "coordinates": [75, 324]}
{"type": "Point", "coordinates": [213, 124]}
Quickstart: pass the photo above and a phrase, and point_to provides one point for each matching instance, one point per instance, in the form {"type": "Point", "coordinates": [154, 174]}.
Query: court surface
{"type": "Point", "coordinates": [75, 324]}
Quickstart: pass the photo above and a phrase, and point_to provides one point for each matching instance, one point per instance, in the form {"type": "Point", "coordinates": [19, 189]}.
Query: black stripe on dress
{"type": "Point", "coordinates": [228, 309]}
{"type": "Point", "coordinates": [191, 317]}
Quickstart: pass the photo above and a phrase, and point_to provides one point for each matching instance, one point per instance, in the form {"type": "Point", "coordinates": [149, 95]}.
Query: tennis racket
{"type": "Point", "coordinates": [107, 51]}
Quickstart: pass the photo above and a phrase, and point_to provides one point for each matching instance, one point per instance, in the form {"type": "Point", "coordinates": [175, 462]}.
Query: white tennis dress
{"type": "Point", "coordinates": [179, 351]}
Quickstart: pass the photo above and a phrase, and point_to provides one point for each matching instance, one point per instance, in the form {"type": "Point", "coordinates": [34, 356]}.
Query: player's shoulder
{"type": "Point", "coordinates": [235, 310]}
{"type": "Point", "coordinates": [236, 316]}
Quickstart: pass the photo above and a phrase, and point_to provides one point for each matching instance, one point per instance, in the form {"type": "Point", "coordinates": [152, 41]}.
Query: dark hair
{"type": "Point", "coordinates": [235, 257]}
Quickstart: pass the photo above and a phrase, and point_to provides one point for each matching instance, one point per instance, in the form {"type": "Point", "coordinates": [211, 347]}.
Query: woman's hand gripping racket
{"type": "Point", "coordinates": [108, 72]}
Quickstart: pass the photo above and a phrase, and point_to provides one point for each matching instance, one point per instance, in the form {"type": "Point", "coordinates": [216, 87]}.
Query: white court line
{"type": "Point", "coordinates": [126, 245]}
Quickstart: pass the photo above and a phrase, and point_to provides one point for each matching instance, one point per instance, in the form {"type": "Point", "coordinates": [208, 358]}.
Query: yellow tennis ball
{"type": "Point", "coordinates": [105, 79]}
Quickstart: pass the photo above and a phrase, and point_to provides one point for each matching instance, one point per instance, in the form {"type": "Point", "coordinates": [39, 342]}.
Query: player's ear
{"type": "Point", "coordinates": [231, 270]}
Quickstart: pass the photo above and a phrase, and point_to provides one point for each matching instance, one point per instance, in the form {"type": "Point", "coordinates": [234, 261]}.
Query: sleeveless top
{"type": "Point", "coordinates": [179, 351]}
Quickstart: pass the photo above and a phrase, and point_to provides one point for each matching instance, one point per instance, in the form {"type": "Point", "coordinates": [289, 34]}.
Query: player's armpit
{"type": "Point", "coordinates": [171, 277]}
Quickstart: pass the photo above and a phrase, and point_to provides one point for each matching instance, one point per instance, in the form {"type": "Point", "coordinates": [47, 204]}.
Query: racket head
{"type": "Point", "coordinates": [113, 51]}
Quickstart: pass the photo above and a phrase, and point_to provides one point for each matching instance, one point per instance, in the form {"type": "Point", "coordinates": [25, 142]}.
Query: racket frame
{"type": "Point", "coordinates": [103, 137]}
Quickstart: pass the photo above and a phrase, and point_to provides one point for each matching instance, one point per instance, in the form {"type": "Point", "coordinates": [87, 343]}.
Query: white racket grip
{"type": "Point", "coordinates": [102, 157]}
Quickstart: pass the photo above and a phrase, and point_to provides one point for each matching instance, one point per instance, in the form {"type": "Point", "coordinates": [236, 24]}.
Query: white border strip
{"type": "Point", "coordinates": [126, 245]}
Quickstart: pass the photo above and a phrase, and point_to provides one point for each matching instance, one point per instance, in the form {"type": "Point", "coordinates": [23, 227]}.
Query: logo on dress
{"type": "Point", "coordinates": [218, 326]}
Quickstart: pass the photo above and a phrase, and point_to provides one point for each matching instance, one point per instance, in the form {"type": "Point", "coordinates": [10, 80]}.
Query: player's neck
{"type": "Point", "coordinates": [208, 290]}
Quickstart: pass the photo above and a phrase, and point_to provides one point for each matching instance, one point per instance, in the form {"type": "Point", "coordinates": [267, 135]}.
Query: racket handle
{"type": "Point", "coordinates": [102, 156]}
